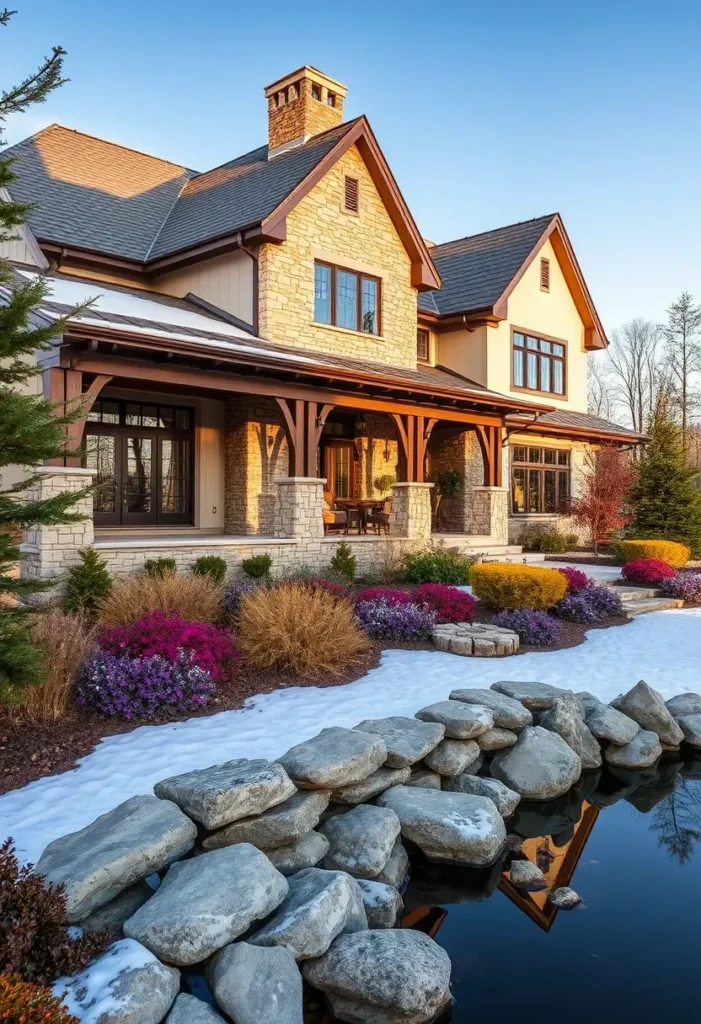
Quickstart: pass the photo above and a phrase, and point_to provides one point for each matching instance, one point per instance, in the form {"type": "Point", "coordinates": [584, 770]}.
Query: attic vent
{"type": "Point", "coordinates": [545, 275]}
{"type": "Point", "coordinates": [351, 201]}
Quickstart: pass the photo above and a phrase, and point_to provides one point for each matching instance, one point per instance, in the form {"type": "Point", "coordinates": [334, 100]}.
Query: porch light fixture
{"type": "Point", "coordinates": [360, 424]}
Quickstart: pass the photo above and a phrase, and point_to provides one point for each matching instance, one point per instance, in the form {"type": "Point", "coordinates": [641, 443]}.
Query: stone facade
{"type": "Point", "coordinates": [377, 455]}
{"type": "Point", "coordinates": [451, 450]}
{"type": "Point", "coordinates": [411, 511]}
{"type": "Point", "coordinates": [298, 511]}
{"type": "Point", "coordinates": [293, 113]}
{"type": "Point", "coordinates": [489, 513]}
{"type": "Point", "coordinates": [255, 454]}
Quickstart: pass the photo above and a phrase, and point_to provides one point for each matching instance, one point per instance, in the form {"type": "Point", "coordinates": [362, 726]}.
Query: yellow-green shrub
{"type": "Point", "coordinates": [506, 585]}
{"type": "Point", "coordinates": [667, 551]}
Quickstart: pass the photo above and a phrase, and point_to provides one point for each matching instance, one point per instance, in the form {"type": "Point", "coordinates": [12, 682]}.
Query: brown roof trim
{"type": "Point", "coordinates": [578, 433]}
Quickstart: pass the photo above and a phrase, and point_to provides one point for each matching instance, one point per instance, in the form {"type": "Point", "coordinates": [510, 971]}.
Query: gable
{"type": "Point", "coordinates": [553, 313]}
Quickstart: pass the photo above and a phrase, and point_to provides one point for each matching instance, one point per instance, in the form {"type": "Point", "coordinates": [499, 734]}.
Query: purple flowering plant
{"type": "Point", "coordinates": [234, 593]}
{"type": "Point", "coordinates": [590, 606]}
{"type": "Point", "coordinates": [127, 687]}
{"type": "Point", "coordinates": [535, 628]}
{"type": "Point", "coordinates": [686, 585]}
{"type": "Point", "coordinates": [381, 619]}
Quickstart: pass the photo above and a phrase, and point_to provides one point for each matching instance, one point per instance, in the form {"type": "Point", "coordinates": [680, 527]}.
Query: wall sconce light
{"type": "Point", "coordinates": [360, 424]}
{"type": "Point", "coordinates": [387, 454]}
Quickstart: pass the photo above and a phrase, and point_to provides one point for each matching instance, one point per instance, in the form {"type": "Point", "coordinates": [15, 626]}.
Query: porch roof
{"type": "Point", "coordinates": [565, 422]}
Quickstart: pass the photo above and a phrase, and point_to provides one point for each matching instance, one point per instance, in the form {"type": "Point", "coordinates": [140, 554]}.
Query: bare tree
{"type": "Point", "coordinates": [600, 398]}
{"type": "Point", "coordinates": [635, 369]}
{"type": "Point", "coordinates": [683, 350]}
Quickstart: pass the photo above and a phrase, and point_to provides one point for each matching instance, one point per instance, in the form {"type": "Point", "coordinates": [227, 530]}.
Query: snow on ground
{"type": "Point", "coordinates": [664, 648]}
{"type": "Point", "coordinates": [92, 995]}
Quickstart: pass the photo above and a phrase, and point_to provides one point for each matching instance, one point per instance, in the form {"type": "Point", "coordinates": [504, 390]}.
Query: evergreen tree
{"type": "Point", "coordinates": [666, 501]}
{"type": "Point", "coordinates": [31, 431]}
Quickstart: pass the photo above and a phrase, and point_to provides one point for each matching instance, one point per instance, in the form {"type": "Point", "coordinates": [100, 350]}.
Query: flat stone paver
{"type": "Point", "coordinates": [475, 639]}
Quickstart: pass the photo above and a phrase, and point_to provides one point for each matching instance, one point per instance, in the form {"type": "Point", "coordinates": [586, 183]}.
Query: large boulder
{"type": "Point", "coordinates": [647, 707]}
{"type": "Point", "coordinates": [496, 739]}
{"type": "Point", "coordinates": [126, 985]}
{"type": "Point", "coordinates": [319, 906]}
{"type": "Point", "coordinates": [361, 841]}
{"type": "Point", "coordinates": [226, 792]}
{"type": "Point", "coordinates": [461, 721]}
{"type": "Point", "coordinates": [609, 725]}
{"type": "Point", "coordinates": [279, 826]}
{"type": "Point", "coordinates": [396, 870]}
{"type": "Point", "coordinates": [383, 977]}
{"type": "Point", "coordinates": [124, 846]}
{"type": "Point", "coordinates": [540, 766]}
{"type": "Point", "coordinates": [426, 779]}
{"type": "Point", "coordinates": [382, 902]}
{"type": "Point", "coordinates": [305, 852]}
{"type": "Point", "coordinates": [508, 713]}
{"type": "Point", "coordinates": [189, 1009]}
{"type": "Point", "coordinates": [256, 985]}
{"type": "Point", "coordinates": [684, 704]}
{"type": "Point", "coordinates": [455, 827]}
{"type": "Point", "coordinates": [205, 902]}
{"type": "Point", "coordinates": [534, 696]}
{"type": "Point", "coordinates": [642, 751]}
{"type": "Point", "coordinates": [564, 717]}
{"type": "Point", "coordinates": [112, 916]}
{"type": "Point", "coordinates": [371, 787]}
{"type": "Point", "coordinates": [505, 799]}
{"type": "Point", "coordinates": [452, 757]}
{"type": "Point", "coordinates": [406, 739]}
{"type": "Point", "coordinates": [590, 747]}
{"type": "Point", "coordinates": [690, 725]}
{"type": "Point", "coordinates": [336, 757]}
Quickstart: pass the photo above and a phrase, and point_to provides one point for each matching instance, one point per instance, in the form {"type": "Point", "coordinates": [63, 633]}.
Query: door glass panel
{"type": "Point", "coordinates": [519, 490]}
{"type": "Point", "coordinates": [549, 456]}
{"type": "Point", "coordinates": [564, 488]}
{"type": "Point", "coordinates": [183, 419]}
{"type": "Point", "coordinates": [175, 475]}
{"type": "Point", "coordinates": [138, 480]}
{"type": "Point", "coordinates": [519, 454]}
{"type": "Point", "coordinates": [149, 417]}
{"type": "Point", "coordinates": [549, 491]}
{"type": "Point", "coordinates": [166, 417]}
{"type": "Point", "coordinates": [346, 300]}
{"type": "Point", "coordinates": [534, 454]}
{"type": "Point", "coordinates": [133, 416]}
{"type": "Point", "coordinates": [341, 465]}
{"type": "Point", "coordinates": [533, 490]}
{"type": "Point", "coordinates": [100, 455]}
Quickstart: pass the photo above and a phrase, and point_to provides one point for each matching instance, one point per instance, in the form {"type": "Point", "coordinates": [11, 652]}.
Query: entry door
{"type": "Point", "coordinates": [139, 484]}
{"type": "Point", "coordinates": [339, 458]}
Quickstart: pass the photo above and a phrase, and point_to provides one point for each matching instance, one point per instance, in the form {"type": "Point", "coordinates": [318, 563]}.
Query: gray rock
{"type": "Point", "coordinates": [371, 787]}
{"type": "Point", "coordinates": [497, 739]}
{"type": "Point", "coordinates": [279, 826]}
{"type": "Point", "coordinates": [591, 751]}
{"type": "Point", "coordinates": [451, 757]}
{"type": "Point", "coordinates": [475, 767]}
{"type": "Point", "coordinates": [690, 725]}
{"type": "Point", "coordinates": [684, 704]}
{"type": "Point", "coordinates": [255, 985]}
{"type": "Point", "coordinates": [112, 916]}
{"type": "Point", "coordinates": [383, 904]}
{"type": "Point", "coordinates": [540, 766]}
{"type": "Point", "coordinates": [206, 902]}
{"type": "Point", "coordinates": [642, 751]}
{"type": "Point", "coordinates": [124, 846]}
{"type": "Point", "coordinates": [383, 977]}
{"type": "Point", "coordinates": [424, 778]}
{"type": "Point", "coordinates": [587, 701]}
{"type": "Point", "coordinates": [188, 1009]}
{"type": "Point", "coordinates": [226, 792]}
{"type": "Point", "coordinates": [336, 757]}
{"type": "Point", "coordinates": [407, 740]}
{"type": "Point", "coordinates": [564, 717]}
{"type": "Point", "coordinates": [526, 875]}
{"type": "Point", "coordinates": [134, 987]}
{"type": "Point", "coordinates": [535, 696]}
{"type": "Point", "coordinates": [319, 906]}
{"type": "Point", "coordinates": [456, 827]}
{"type": "Point", "coordinates": [305, 852]}
{"type": "Point", "coordinates": [462, 721]}
{"type": "Point", "coordinates": [564, 898]}
{"type": "Point", "coordinates": [396, 869]}
{"type": "Point", "coordinates": [646, 707]}
{"type": "Point", "coordinates": [508, 713]}
{"type": "Point", "coordinates": [505, 799]}
{"type": "Point", "coordinates": [361, 841]}
{"type": "Point", "coordinates": [609, 725]}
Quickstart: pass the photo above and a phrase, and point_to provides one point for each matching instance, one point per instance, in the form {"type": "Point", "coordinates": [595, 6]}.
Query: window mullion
{"type": "Point", "coordinates": [358, 302]}
{"type": "Point", "coordinates": [333, 296]}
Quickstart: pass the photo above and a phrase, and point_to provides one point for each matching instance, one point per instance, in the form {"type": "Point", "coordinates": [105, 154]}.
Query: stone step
{"type": "Point", "coordinates": [521, 557]}
{"type": "Point", "coordinates": [652, 604]}
{"type": "Point", "coordinates": [636, 593]}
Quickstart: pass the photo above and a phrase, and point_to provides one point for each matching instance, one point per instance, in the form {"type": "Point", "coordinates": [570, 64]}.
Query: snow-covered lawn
{"type": "Point", "coordinates": [663, 648]}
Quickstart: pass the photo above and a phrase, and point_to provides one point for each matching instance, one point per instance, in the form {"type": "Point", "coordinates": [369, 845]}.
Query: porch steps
{"type": "Point", "coordinates": [487, 548]}
{"type": "Point", "coordinates": [641, 600]}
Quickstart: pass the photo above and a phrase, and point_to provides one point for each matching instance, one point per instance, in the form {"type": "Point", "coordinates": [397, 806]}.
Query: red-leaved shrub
{"type": "Point", "coordinates": [24, 1003]}
{"type": "Point", "coordinates": [388, 594]}
{"type": "Point", "coordinates": [576, 579]}
{"type": "Point", "coordinates": [647, 572]}
{"type": "Point", "coordinates": [166, 635]}
{"type": "Point", "coordinates": [449, 603]}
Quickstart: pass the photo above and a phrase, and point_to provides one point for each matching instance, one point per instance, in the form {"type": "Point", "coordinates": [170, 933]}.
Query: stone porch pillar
{"type": "Point", "coordinates": [489, 514]}
{"type": "Point", "coordinates": [411, 511]}
{"type": "Point", "coordinates": [299, 508]}
{"type": "Point", "coordinates": [49, 551]}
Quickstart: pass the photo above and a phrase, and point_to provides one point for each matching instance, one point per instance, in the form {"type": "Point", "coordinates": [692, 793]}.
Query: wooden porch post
{"type": "Point", "coordinates": [413, 433]}
{"type": "Point", "coordinates": [490, 444]}
{"type": "Point", "coordinates": [64, 387]}
{"type": "Point", "coordinates": [304, 422]}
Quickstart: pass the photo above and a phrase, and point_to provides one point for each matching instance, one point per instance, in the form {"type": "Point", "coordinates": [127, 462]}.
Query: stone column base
{"type": "Point", "coordinates": [299, 508]}
{"type": "Point", "coordinates": [489, 515]}
{"type": "Point", "coordinates": [411, 511]}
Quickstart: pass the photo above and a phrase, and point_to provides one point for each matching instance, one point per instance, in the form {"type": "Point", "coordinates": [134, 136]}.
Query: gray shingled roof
{"type": "Point", "coordinates": [97, 195]}
{"type": "Point", "coordinates": [585, 421]}
{"type": "Point", "coordinates": [476, 270]}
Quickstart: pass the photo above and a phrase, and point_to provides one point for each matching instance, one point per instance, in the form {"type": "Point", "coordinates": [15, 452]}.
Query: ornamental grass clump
{"type": "Point", "coordinates": [449, 603]}
{"type": "Point", "coordinates": [66, 641]}
{"type": "Point", "coordinates": [576, 579]}
{"type": "Point", "coordinates": [126, 687]}
{"type": "Point", "coordinates": [537, 629]}
{"type": "Point", "coordinates": [193, 598]}
{"type": "Point", "coordinates": [389, 594]}
{"type": "Point", "coordinates": [386, 621]}
{"type": "Point", "coordinates": [648, 572]}
{"type": "Point", "coordinates": [504, 585]}
{"type": "Point", "coordinates": [165, 634]}
{"type": "Point", "coordinates": [686, 585]}
{"type": "Point", "coordinates": [300, 629]}
{"type": "Point", "coordinates": [591, 606]}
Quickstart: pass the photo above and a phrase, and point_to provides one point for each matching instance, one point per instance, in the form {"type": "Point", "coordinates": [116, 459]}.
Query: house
{"type": "Point", "coordinates": [273, 341]}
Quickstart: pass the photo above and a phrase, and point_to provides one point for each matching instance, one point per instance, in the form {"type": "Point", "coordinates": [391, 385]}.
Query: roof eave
{"type": "Point", "coordinates": [580, 433]}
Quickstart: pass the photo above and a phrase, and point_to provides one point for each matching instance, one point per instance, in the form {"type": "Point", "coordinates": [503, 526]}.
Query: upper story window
{"type": "Point", "coordinates": [423, 346]}
{"type": "Point", "coordinates": [346, 299]}
{"type": "Point", "coordinates": [538, 364]}
{"type": "Point", "coordinates": [540, 479]}
{"type": "Point", "coordinates": [331, 99]}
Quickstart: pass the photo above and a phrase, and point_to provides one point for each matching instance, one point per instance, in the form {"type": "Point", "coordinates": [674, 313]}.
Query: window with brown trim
{"type": "Point", "coordinates": [351, 194]}
{"type": "Point", "coordinates": [540, 479]}
{"type": "Point", "coordinates": [344, 298]}
{"type": "Point", "coordinates": [423, 346]}
{"type": "Point", "coordinates": [545, 274]}
{"type": "Point", "coordinates": [538, 364]}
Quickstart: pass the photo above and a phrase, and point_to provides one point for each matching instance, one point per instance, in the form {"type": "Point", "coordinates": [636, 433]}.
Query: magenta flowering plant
{"type": "Point", "coordinates": [647, 572]}
{"type": "Point", "coordinates": [167, 636]}
{"type": "Point", "coordinates": [686, 585]}
{"type": "Point", "coordinates": [127, 687]}
{"type": "Point", "coordinates": [576, 579]}
{"type": "Point", "coordinates": [449, 603]}
{"type": "Point", "coordinates": [391, 595]}
{"type": "Point", "coordinates": [383, 620]}
{"type": "Point", "coordinates": [538, 629]}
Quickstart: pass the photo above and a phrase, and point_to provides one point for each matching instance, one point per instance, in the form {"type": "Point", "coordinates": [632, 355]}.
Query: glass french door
{"type": "Point", "coordinates": [339, 467]}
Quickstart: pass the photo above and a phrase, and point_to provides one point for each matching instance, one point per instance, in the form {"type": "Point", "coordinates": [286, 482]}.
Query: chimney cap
{"type": "Point", "coordinates": [307, 71]}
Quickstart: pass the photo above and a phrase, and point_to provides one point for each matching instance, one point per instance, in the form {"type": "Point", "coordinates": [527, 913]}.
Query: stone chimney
{"type": "Point", "coordinates": [300, 105]}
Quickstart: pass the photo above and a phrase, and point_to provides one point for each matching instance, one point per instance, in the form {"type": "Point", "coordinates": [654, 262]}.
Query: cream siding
{"type": "Point", "coordinates": [226, 282]}
{"type": "Point", "coordinates": [18, 251]}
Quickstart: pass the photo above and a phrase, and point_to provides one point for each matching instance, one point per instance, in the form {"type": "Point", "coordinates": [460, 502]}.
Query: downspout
{"type": "Point", "coordinates": [254, 299]}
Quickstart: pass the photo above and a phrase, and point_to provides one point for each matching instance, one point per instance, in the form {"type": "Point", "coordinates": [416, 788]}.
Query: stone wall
{"type": "Point", "coordinates": [255, 454]}
{"type": "Point", "coordinates": [448, 450]}
{"type": "Point", "coordinates": [378, 455]}
{"type": "Point", "coordinates": [489, 513]}
{"type": "Point", "coordinates": [411, 511]}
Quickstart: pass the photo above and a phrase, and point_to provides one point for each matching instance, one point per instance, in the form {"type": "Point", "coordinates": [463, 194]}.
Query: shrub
{"type": "Point", "coordinates": [210, 565]}
{"type": "Point", "coordinates": [543, 538]}
{"type": "Point", "coordinates": [389, 594]}
{"type": "Point", "coordinates": [667, 551]}
{"type": "Point", "coordinates": [299, 629]}
{"type": "Point", "coordinates": [233, 594]}
{"type": "Point", "coordinates": [35, 942]}
{"type": "Point", "coordinates": [142, 687]}
{"type": "Point", "coordinates": [505, 585]}
{"type": "Point", "coordinates": [66, 641]}
{"type": "Point", "coordinates": [22, 1002]}
{"type": "Point", "coordinates": [649, 572]}
{"type": "Point", "coordinates": [576, 579]}
{"type": "Point", "coordinates": [21, 660]}
{"type": "Point", "coordinates": [167, 635]}
{"type": "Point", "coordinates": [538, 629]}
{"type": "Point", "coordinates": [380, 619]}
{"type": "Point", "coordinates": [384, 483]}
{"type": "Point", "coordinates": [436, 566]}
{"type": "Point", "coordinates": [193, 598]}
{"type": "Point", "coordinates": [160, 567]}
{"type": "Point", "coordinates": [590, 606]}
{"type": "Point", "coordinates": [344, 564]}
{"type": "Point", "coordinates": [686, 585]}
{"type": "Point", "coordinates": [87, 584]}
{"type": "Point", "coordinates": [257, 566]}
{"type": "Point", "coordinates": [449, 603]}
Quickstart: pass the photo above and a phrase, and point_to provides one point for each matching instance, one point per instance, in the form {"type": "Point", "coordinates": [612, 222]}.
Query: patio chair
{"type": "Point", "coordinates": [334, 519]}
{"type": "Point", "coordinates": [378, 516]}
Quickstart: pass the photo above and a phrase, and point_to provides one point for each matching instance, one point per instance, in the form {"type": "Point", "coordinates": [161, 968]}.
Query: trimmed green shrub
{"type": "Point", "coordinates": [504, 585]}
{"type": "Point", "coordinates": [213, 566]}
{"type": "Point", "coordinates": [434, 566]}
{"type": "Point", "coordinates": [344, 564]}
{"type": "Point", "coordinates": [87, 584]}
{"type": "Point", "coordinates": [546, 539]}
{"type": "Point", "coordinates": [257, 566]}
{"type": "Point", "coordinates": [160, 567]}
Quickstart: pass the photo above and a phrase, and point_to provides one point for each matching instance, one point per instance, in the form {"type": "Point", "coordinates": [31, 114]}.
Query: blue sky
{"type": "Point", "coordinates": [487, 113]}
